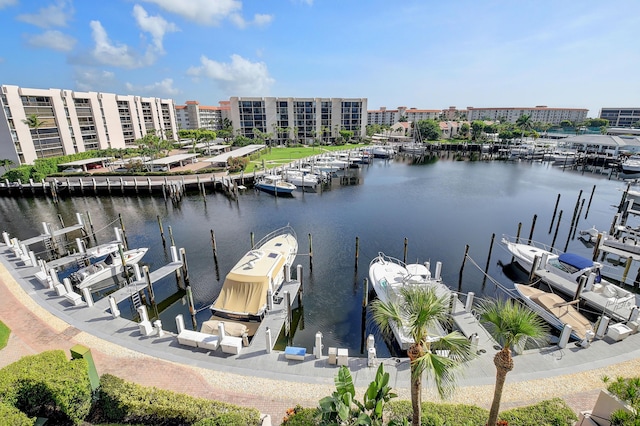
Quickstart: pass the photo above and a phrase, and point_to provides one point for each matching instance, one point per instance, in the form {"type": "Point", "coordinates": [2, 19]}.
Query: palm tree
{"type": "Point", "coordinates": [6, 163]}
{"type": "Point", "coordinates": [511, 324]}
{"type": "Point", "coordinates": [525, 124]}
{"type": "Point", "coordinates": [34, 123]}
{"type": "Point", "coordinates": [418, 310]}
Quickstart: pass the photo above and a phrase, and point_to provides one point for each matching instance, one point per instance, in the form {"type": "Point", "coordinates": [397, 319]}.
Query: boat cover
{"type": "Point", "coordinates": [575, 260]}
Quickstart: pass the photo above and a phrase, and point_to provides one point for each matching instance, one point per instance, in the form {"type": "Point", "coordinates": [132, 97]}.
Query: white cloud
{"type": "Point", "coordinates": [88, 80]}
{"type": "Point", "coordinates": [120, 55]}
{"type": "Point", "coordinates": [262, 20]}
{"type": "Point", "coordinates": [209, 12]}
{"type": "Point", "coordinates": [52, 39]}
{"type": "Point", "coordinates": [259, 20]}
{"type": "Point", "coordinates": [155, 25]}
{"type": "Point", "coordinates": [55, 15]}
{"type": "Point", "coordinates": [240, 77]}
{"type": "Point", "coordinates": [5, 3]}
{"type": "Point", "coordinates": [158, 89]}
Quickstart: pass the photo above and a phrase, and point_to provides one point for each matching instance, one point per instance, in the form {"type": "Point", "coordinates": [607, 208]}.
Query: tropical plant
{"type": "Point", "coordinates": [34, 123]}
{"type": "Point", "coordinates": [418, 310]}
{"type": "Point", "coordinates": [525, 124]}
{"type": "Point", "coordinates": [511, 324]}
{"type": "Point", "coordinates": [341, 408]}
{"type": "Point", "coordinates": [6, 163]}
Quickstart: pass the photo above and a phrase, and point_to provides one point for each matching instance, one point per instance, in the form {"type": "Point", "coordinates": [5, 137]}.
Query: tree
{"type": "Point", "coordinates": [153, 145]}
{"type": "Point", "coordinates": [418, 310]}
{"type": "Point", "coordinates": [525, 124]}
{"type": "Point", "coordinates": [34, 123]}
{"type": "Point", "coordinates": [346, 135]}
{"type": "Point", "coordinates": [6, 163]}
{"type": "Point", "coordinates": [464, 130]}
{"type": "Point", "coordinates": [429, 130]}
{"type": "Point", "coordinates": [511, 324]}
{"type": "Point", "coordinates": [477, 126]}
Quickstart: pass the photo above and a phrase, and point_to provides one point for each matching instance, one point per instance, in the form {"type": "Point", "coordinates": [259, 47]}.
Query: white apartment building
{"type": "Point", "coordinates": [542, 114]}
{"type": "Point", "coordinates": [192, 115]}
{"type": "Point", "coordinates": [389, 117]}
{"type": "Point", "coordinates": [302, 119]}
{"type": "Point", "coordinates": [75, 122]}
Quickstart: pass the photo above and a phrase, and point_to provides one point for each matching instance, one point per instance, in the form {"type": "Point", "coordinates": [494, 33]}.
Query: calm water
{"type": "Point", "coordinates": [439, 208]}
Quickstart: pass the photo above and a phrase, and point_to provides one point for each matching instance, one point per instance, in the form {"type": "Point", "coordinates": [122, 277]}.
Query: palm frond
{"type": "Point", "coordinates": [511, 323]}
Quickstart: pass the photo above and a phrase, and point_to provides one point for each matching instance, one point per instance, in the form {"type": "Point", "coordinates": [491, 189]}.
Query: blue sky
{"type": "Point", "coordinates": [423, 54]}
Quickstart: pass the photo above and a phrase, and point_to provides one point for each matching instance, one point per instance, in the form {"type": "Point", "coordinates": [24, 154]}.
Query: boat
{"type": "Point", "coordinates": [93, 275]}
{"type": "Point", "coordinates": [301, 179]}
{"type": "Point", "coordinates": [382, 151]}
{"type": "Point", "coordinates": [555, 310]}
{"type": "Point", "coordinates": [631, 165]}
{"type": "Point", "coordinates": [243, 297]}
{"type": "Point", "coordinates": [575, 276]}
{"type": "Point", "coordinates": [388, 275]}
{"type": "Point", "coordinates": [274, 184]}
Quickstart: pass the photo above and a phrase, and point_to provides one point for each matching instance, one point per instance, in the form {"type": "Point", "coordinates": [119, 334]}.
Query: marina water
{"type": "Point", "coordinates": [439, 208]}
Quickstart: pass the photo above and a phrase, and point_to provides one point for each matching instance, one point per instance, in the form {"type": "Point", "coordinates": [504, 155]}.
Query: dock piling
{"type": "Point", "coordinates": [406, 243]}
{"type": "Point", "coordinates": [593, 190]}
{"type": "Point", "coordinates": [464, 261]}
{"type": "Point", "coordinates": [555, 209]}
{"type": "Point", "coordinates": [533, 225]}
{"type": "Point", "coordinates": [555, 235]}
{"type": "Point", "coordinates": [164, 243]}
{"type": "Point", "coordinates": [310, 253]}
{"type": "Point", "coordinates": [357, 252]}
{"type": "Point", "coordinates": [486, 268]}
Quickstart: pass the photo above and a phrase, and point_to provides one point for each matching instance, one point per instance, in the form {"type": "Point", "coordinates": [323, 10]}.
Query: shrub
{"type": "Point", "coordinates": [300, 416]}
{"type": "Point", "coordinates": [552, 412]}
{"type": "Point", "coordinates": [438, 414]}
{"type": "Point", "coordinates": [4, 334]}
{"type": "Point", "coordinates": [48, 385]}
{"type": "Point", "coordinates": [120, 401]}
{"type": "Point", "coordinates": [10, 415]}
{"type": "Point", "coordinates": [224, 419]}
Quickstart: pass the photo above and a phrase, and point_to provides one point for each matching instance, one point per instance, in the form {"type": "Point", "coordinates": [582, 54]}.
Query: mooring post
{"type": "Point", "coordinates": [365, 296]}
{"type": "Point", "coordinates": [533, 226]}
{"type": "Point", "coordinates": [124, 232]}
{"type": "Point", "coordinates": [624, 197]}
{"type": "Point", "coordinates": [171, 236]}
{"type": "Point", "coordinates": [310, 253]}
{"type": "Point", "coordinates": [486, 268]}
{"type": "Point", "coordinates": [575, 227]}
{"type": "Point", "coordinates": [596, 247]}
{"type": "Point", "coordinates": [185, 267]}
{"type": "Point", "coordinates": [287, 323]}
{"type": "Point", "coordinates": [357, 252]}
{"type": "Point", "coordinates": [192, 308]}
{"type": "Point", "coordinates": [555, 235]}
{"type": "Point", "coordinates": [300, 280]}
{"type": "Point", "coordinates": [252, 240]}
{"type": "Point", "coordinates": [145, 270]}
{"type": "Point", "coordinates": [627, 266]}
{"type": "Point", "coordinates": [518, 233]}
{"type": "Point", "coordinates": [215, 250]}
{"type": "Point", "coordinates": [406, 243]}
{"type": "Point", "coordinates": [553, 218]}
{"type": "Point", "coordinates": [464, 260]}
{"type": "Point", "coordinates": [164, 243]}
{"type": "Point", "coordinates": [593, 190]}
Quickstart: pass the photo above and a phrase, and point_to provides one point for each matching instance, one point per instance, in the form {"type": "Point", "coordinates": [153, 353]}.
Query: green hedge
{"type": "Point", "coordinates": [120, 401]}
{"type": "Point", "coordinates": [4, 334]}
{"type": "Point", "coordinates": [553, 412]}
{"type": "Point", "coordinates": [10, 415]}
{"type": "Point", "coordinates": [47, 385]}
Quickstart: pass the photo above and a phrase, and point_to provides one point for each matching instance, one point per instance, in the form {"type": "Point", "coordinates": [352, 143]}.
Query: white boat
{"type": "Point", "coordinates": [388, 275]}
{"type": "Point", "coordinates": [382, 151]}
{"type": "Point", "coordinates": [555, 310]}
{"type": "Point", "coordinates": [631, 165]}
{"type": "Point", "coordinates": [243, 297]}
{"type": "Point", "coordinates": [329, 163]}
{"type": "Point", "coordinates": [274, 184]}
{"type": "Point", "coordinates": [301, 179]}
{"type": "Point", "coordinates": [564, 272]}
{"type": "Point", "coordinates": [111, 266]}
{"type": "Point", "coordinates": [560, 158]}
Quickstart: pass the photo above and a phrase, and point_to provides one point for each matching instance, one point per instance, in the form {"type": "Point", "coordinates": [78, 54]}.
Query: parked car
{"type": "Point", "coordinates": [72, 170]}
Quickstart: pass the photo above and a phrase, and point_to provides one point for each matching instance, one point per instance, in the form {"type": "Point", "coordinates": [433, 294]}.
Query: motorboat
{"type": "Point", "coordinates": [631, 165]}
{"type": "Point", "coordinates": [382, 151]}
{"type": "Point", "coordinates": [555, 310]}
{"type": "Point", "coordinates": [112, 266]}
{"type": "Point", "coordinates": [389, 275]}
{"type": "Point", "coordinates": [274, 184]}
{"type": "Point", "coordinates": [243, 297]}
{"type": "Point", "coordinates": [575, 276]}
{"type": "Point", "coordinates": [301, 179]}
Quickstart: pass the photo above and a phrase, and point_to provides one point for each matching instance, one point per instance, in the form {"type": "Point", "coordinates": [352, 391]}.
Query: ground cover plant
{"type": "Point", "coordinates": [4, 334]}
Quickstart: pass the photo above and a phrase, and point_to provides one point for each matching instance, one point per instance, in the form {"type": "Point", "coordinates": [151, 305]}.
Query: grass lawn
{"type": "Point", "coordinates": [4, 335]}
{"type": "Point", "coordinates": [276, 156]}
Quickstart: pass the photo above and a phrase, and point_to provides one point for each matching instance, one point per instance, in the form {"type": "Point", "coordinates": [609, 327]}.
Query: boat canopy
{"type": "Point", "coordinates": [575, 260]}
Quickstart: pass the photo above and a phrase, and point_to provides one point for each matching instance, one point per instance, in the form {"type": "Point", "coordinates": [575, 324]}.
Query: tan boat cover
{"type": "Point", "coordinates": [245, 288]}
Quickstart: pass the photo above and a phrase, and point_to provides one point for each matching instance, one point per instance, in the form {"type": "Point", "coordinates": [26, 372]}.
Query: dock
{"type": "Point", "coordinates": [56, 233]}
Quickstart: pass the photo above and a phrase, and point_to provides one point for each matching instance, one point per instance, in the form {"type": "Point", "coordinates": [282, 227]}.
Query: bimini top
{"type": "Point", "coordinates": [575, 260]}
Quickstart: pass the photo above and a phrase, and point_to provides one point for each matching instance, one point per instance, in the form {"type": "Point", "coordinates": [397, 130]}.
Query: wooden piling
{"type": "Point", "coordinates": [624, 197]}
{"type": "Point", "coordinates": [593, 190]}
{"type": "Point", "coordinates": [61, 220]}
{"type": "Point", "coordinates": [252, 241]}
{"type": "Point", "coordinates": [173, 243]}
{"type": "Point", "coordinates": [518, 233]}
{"type": "Point", "coordinates": [464, 260]}
{"type": "Point", "coordinates": [289, 316]}
{"type": "Point", "coordinates": [486, 268]}
{"type": "Point", "coordinates": [553, 218]}
{"type": "Point", "coordinates": [185, 267]}
{"type": "Point", "coordinates": [575, 227]}
{"type": "Point", "coordinates": [406, 243]}
{"type": "Point", "coordinates": [533, 225]}
{"type": "Point", "coordinates": [152, 297]}
{"type": "Point", "coordinates": [310, 253]}
{"type": "Point", "coordinates": [555, 235]}
{"type": "Point", "coordinates": [192, 308]}
{"type": "Point", "coordinates": [612, 229]}
{"type": "Point", "coordinates": [124, 232]}
{"type": "Point", "coordinates": [215, 250]}
{"type": "Point", "coordinates": [164, 243]}
{"type": "Point", "coordinates": [357, 252]}
{"type": "Point", "coordinates": [596, 247]}
{"type": "Point", "coordinates": [365, 296]}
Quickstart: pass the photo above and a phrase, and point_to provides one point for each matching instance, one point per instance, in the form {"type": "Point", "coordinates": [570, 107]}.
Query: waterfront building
{"type": "Point", "coordinates": [541, 114]}
{"type": "Point", "coordinates": [73, 122]}
{"type": "Point", "coordinates": [192, 115]}
{"type": "Point", "coordinates": [621, 117]}
{"type": "Point", "coordinates": [301, 119]}
{"type": "Point", "coordinates": [389, 117]}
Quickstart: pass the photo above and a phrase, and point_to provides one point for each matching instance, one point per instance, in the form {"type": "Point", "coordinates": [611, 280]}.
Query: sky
{"type": "Point", "coordinates": [421, 54]}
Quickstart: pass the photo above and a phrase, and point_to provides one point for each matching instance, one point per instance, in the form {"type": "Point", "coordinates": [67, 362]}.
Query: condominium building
{"type": "Point", "coordinates": [301, 119]}
{"type": "Point", "coordinates": [542, 114]}
{"type": "Point", "coordinates": [72, 122]}
{"type": "Point", "coordinates": [621, 117]}
{"type": "Point", "coordinates": [192, 115]}
{"type": "Point", "coordinates": [388, 117]}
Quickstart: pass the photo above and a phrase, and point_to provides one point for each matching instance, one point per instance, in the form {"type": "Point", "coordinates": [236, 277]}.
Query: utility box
{"type": "Point", "coordinates": [82, 352]}
{"type": "Point", "coordinates": [333, 356]}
